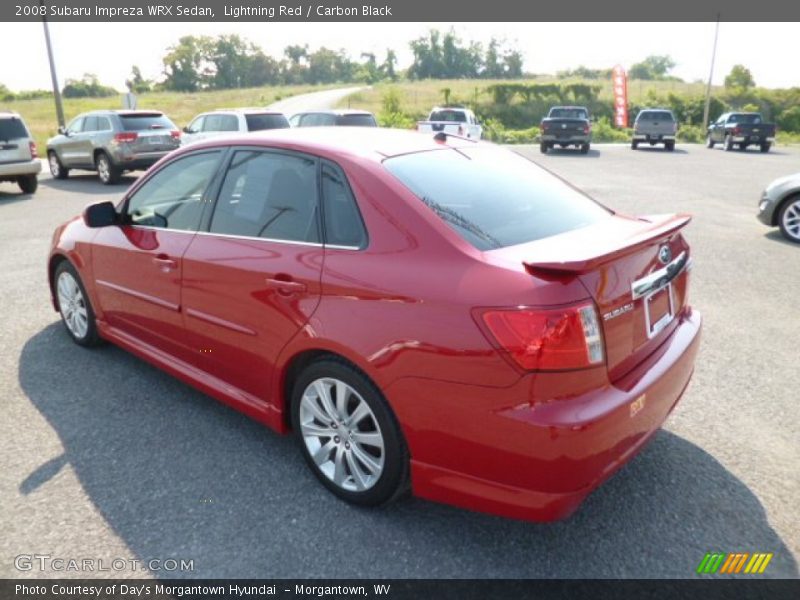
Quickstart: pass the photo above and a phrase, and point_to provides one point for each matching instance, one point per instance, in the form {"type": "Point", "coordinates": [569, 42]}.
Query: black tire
{"type": "Point", "coordinates": [394, 479]}
{"type": "Point", "coordinates": [765, 147]}
{"type": "Point", "coordinates": [728, 144]}
{"type": "Point", "coordinates": [28, 183]}
{"type": "Point", "coordinates": [107, 171]}
{"type": "Point", "coordinates": [91, 336]}
{"type": "Point", "coordinates": [57, 169]}
{"type": "Point", "coordinates": [543, 148]}
{"type": "Point", "coordinates": [670, 146]}
{"type": "Point", "coordinates": [634, 145]}
{"type": "Point", "coordinates": [792, 202]}
{"type": "Point", "coordinates": [709, 142]}
{"type": "Point", "coordinates": [584, 148]}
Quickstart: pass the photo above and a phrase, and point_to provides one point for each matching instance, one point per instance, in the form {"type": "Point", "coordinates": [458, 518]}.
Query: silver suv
{"type": "Point", "coordinates": [222, 121]}
{"type": "Point", "coordinates": [19, 162]}
{"type": "Point", "coordinates": [112, 142]}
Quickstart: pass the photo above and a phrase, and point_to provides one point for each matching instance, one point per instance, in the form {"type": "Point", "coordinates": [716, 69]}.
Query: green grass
{"type": "Point", "coordinates": [40, 114]}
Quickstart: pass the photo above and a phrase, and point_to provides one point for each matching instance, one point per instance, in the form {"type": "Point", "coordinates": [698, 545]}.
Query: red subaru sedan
{"type": "Point", "coordinates": [420, 311]}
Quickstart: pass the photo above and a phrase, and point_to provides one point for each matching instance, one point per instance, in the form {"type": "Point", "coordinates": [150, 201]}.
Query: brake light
{"type": "Point", "coordinates": [126, 137]}
{"type": "Point", "coordinates": [34, 151]}
{"type": "Point", "coordinates": [737, 131]}
{"type": "Point", "coordinates": [175, 133]}
{"type": "Point", "coordinates": [587, 129]}
{"type": "Point", "coordinates": [548, 339]}
{"type": "Point", "coordinates": [543, 126]}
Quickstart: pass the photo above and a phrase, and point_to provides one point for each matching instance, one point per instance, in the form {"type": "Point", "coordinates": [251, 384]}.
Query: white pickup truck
{"type": "Point", "coordinates": [452, 120]}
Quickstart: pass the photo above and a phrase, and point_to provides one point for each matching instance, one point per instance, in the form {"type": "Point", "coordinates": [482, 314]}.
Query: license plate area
{"type": "Point", "coordinates": [659, 310]}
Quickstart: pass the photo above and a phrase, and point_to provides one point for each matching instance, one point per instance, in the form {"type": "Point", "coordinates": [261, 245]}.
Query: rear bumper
{"type": "Point", "coordinates": [643, 137]}
{"type": "Point", "coordinates": [749, 139]}
{"type": "Point", "coordinates": [139, 160]}
{"type": "Point", "coordinates": [14, 169]}
{"type": "Point", "coordinates": [568, 139]}
{"type": "Point", "coordinates": [499, 451]}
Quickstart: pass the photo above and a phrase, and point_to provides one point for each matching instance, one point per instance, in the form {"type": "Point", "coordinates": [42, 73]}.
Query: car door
{"type": "Point", "coordinates": [193, 132]}
{"type": "Point", "coordinates": [137, 266]}
{"type": "Point", "coordinates": [68, 148]}
{"type": "Point", "coordinates": [718, 131]}
{"type": "Point", "coordinates": [84, 146]}
{"type": "Point", "coordinates": [252, 278]}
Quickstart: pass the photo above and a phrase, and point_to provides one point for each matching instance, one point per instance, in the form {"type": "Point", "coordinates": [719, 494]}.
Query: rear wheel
{"type": "Point", "coordinates": [789, 219]}
{"type": "Point", "coordinates": [348, 434]}
{"type": "Point", "coordinates": [584, 148]}
{"type": "Point", "coordinates": [670, 146]}
{"type": "Point", "coordinates": [634, 145]}
{"type": "Point", "coordinates": [728, 143]}
{"type": "Point", "coordinates": [73, 304]}
{"type": "Point", "coordinates": [107, 171]}
{"type": "Point", "coordinates": [765, 147]}
{"type": "Point", "coordinates": [543, 148]}
{"type": "Point", "coordinates": [709, 141]}
{"type": "Point", "coordinates": [57, 170]}
{"type": "Point", "coordinates": [28, 184]}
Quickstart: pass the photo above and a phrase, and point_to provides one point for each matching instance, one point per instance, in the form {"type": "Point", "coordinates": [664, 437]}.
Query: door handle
{"type": "Point", "coordinates": [286, 286]}
{"type": "Point", "coordinates": [164, 262]}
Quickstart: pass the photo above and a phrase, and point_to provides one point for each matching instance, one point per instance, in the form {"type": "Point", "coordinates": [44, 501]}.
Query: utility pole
{"type": "Point", "coordinates": [53, 77]}
{"type": "Point", "coordinates": [710, 76]}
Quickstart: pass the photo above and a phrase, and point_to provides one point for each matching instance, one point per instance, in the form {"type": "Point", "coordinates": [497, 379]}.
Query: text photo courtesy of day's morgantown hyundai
{"type": "Point", "coordinates": [337, 300]}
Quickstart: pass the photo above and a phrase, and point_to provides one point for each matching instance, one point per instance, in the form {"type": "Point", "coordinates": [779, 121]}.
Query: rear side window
{"type": "Point", "coordinates": [268, 195]}
{"type": "Point", "coordinates": [453, 116]}
{"type": "Point", "coordinates": [492, 197]}
{"type": "Point", "coordinates": [145, 121]}
{"type": "Point", "coordinates": [256, 122]}
{"type": "Point", "coordinates": [173, 197]}
{"type": "Point", "coordinates": [356, 120]}
{"type": "Point", "coordinates": [656, 115]}
{"type": "Point", "coordinates": [12, 129]}
{"type": "Point", "coordinates": [343, 224]}
{"type": "Point", "coordinates": [90, 124]}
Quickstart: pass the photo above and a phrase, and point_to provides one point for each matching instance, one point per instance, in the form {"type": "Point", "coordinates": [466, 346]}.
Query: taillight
{"type": "Point", "coordinates": [736, 131]}
{"type": "Point", "coordinates": [126, 137]}
{"type": "Point", "coordinates": [175, 133]}
{"type": "Point", "coordinates": [543, 126]}
{"type": "Point", "coordinates": [34, 152]}
{"type": "Point", "coordinates": [587, 129]}
{"type": "Point", "coordinates": [550, 339]}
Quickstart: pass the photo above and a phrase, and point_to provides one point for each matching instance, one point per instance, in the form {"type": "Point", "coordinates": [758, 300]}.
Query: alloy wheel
{"type": "Point", "coordinates": [341, 434]}
{"type": "Point", "coordinates": [55, 168]}
{"type": "Point", "coordinates": [72, 305]}
{"type": "Point", "coordinates": [103, 169]}
{"type": "Point", "coordinates": [790, 219]}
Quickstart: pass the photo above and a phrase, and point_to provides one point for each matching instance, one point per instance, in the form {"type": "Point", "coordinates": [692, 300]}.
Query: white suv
{"type": "Point", "coordinates": [219, 122]}
{"type": "Point", "coordinates": [19, 161]}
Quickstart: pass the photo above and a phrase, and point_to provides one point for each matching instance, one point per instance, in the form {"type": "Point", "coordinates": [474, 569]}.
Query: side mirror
{"type": "Point", "coordinates": [101, 214]}
{"type": "Point", "coordinates": [63, 130]}
{"type": "Point", "coordinates": [188, 130]}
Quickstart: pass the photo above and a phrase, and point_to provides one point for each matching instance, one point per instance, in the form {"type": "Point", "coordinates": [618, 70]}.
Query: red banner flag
{"type": "Point", "coordinates": [619, 81]}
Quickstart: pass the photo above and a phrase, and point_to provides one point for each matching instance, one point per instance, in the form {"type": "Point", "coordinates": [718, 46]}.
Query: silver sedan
{"type": "Point", "coordinates": [780, 206]}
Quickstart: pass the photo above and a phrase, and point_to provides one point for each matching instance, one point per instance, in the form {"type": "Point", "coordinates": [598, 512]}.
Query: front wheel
{"type": "Point", "coordinates": [348, 434]}
{"type": "Point", "coordinates": [728, 143]}
{"type": "Point", "coordinates": [57, 170]}
{"type": "Point", "coordinates": [670, 146]}
{"type": "Point", "coordinates": [789, 219]}
{"type": "Point", "coordinates": [107, 171]}
{"type": "Point", "coordinates": [74, 305]}
{"type": "Point", "coordinates": [634, 145]}
{"type": "Point", "coordinates": [28, 184]}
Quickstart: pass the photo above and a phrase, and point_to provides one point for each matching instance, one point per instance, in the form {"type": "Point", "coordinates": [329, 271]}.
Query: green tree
{"type": "Point", "coordinates": [87, 87]}
{"type": "Point", "coordinates": [652, 67]}
{"type": "Point", "coordinates": [740, 78]}
{"type": "Point", "coordinates": [137, 84]}
{"type": "Point", "coordinates": [388, 68]}
{"type": "Point", "coordinates": [186, 64]}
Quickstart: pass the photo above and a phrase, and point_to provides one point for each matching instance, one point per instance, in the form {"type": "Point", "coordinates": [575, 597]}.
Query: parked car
{"type": "Point", "coordinates": [330, 118]}
{"type": "Point", "coordinates": [780, 206]}
{"type": "Point", "coordinates": [452, 120]}
{"type": "Point", "coordinates": [112, 142]}
{"type": "Point", "coordinates": [419, 312]}
{"type": "Point", "coordinates": [655, 126]}
{"type": "Point", "coordinates": [566, 126]}
{"type": "Point", "coordinates": [740, 130]}
{"type": "Point", "coordinates": [19, 160]}
{"type": "Point", "coordinates": [220, 122]}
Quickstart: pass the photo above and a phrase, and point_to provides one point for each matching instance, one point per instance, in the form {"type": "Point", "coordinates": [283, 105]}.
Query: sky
{"type": "Point", "coordinates": [109, 50]}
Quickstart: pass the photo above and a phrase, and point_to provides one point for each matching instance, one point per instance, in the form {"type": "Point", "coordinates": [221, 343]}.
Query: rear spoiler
{"type": "Point", "coordinates": [590, 256]}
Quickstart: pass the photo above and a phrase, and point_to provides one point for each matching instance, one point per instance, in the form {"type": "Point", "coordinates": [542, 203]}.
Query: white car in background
{"type": "Point", "coordinates": [19, 161]}
{"type": "Point", "coordinates": [452, 120]}
{"type": "Point", "coordinates": [222, 121]}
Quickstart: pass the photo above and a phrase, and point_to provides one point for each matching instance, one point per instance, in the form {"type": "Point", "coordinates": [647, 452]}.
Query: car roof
{"type": "Point", "coordinates": [9, 114]}
{"type": "Point", "coordinates": [370, 142]}
{"type": "Point", "coordinates": [246, 111]}
{"type": "Point", "coordinates": [334, 111]}
{"type": "Point", "coordinates": [123, 112]}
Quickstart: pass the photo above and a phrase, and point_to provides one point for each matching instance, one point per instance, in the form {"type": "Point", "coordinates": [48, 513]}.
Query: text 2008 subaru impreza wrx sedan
{"type": "Point", "coordinates": [423, 312]}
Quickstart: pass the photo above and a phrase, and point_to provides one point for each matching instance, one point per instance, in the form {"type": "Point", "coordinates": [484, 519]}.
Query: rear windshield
{"type": "Point", "coordinates": [146, 121]}
{"type": "Point", "coordinates": [259, 122]}
{"type": "Point", "coordinates": [745, 119]}
{"type": "Point", "coordinates": [568, 113]}
{"type": "Point", "coordinates": [452, 116]}
{"type": "Point", "coordinates": [494, 198]}
{"type": "Point", "coordinates": [356, 120]}
{"type": "Point", "coordinates": [655, 115]}
{"type": "Point", "coordinates": [12, 129]}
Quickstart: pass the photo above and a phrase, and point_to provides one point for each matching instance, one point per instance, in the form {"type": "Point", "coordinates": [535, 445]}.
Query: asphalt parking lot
{"type": "Point", "coordinates": [106, 457]}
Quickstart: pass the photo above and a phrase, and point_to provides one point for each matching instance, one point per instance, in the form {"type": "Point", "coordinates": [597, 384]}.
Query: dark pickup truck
{"type": "Point", "coordinates": [741, 129]}
{"type": "Point", "coordinates": [566, 126]}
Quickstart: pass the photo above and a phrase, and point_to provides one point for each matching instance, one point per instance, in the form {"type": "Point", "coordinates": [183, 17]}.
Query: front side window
{"type": "Point", "coordinates": [196, 125]}
{"type": "Point", "coordinates": [492, 197]}
{"type": "Point", "coordinates": [75, 126]}
{"type": "Point", "coordinates": [268, 195]}
{"type": "Point", "coordinates": [90, 124]}
{"type": "Point", "coordinates": [221, 123]}
{"type": "Point", "coordinates": [343, 224]}
{"type": "Point", "coordinates": [173, 197]}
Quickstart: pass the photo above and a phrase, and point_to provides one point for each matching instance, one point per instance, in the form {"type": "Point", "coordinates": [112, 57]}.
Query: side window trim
{"type": "Point", "coordinates": [329, 163]}
{"type": "Point", "coordinates": [213, 184]}
{"type": "Point", "coordinates": [219, 180]}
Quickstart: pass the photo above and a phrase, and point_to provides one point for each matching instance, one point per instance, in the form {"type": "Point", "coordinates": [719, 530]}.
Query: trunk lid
{"type": "Point", "coordinates": [635, 270]}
